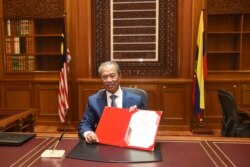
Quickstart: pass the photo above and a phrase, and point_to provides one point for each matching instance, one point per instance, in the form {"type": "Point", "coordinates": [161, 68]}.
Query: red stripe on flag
{"type": "Point", "coordinates": [63, 93]}
{"type": "Point", "coordinates": [63, 103]}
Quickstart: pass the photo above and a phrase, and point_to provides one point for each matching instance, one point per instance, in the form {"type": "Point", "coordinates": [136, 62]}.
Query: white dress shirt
{"type": "Point", "coordinates": [118, 99]}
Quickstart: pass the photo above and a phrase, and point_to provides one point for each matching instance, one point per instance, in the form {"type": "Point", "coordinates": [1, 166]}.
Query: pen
{"type": "Point", "coordinates": [59, 140]}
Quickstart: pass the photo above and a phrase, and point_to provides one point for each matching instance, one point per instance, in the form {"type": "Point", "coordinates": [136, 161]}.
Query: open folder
{"type": "Point", "coordinates": [137, 129]}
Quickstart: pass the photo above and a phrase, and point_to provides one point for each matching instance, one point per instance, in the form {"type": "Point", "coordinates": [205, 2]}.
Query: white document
{"type": "Point", "coordinates": [142, 129]}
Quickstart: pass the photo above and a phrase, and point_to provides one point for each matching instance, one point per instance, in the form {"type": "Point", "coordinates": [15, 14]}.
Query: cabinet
{"type": "Point", "coordinates": [33, 35]}
{"type": "Point", "coordinates": [228, 36]}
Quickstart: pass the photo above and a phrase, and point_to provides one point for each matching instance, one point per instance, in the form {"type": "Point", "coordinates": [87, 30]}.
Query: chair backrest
{"type": "Point", "coordinates": [139, 92]}
{"type": "Point", "coordinates": [229, 113]}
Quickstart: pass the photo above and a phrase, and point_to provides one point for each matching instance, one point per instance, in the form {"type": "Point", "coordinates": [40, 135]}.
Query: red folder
{"type": "Point", "coordinates": [137, 129]}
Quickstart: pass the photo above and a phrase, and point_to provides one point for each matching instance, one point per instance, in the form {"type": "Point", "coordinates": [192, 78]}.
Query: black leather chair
{"type": "Point", "coordinates": [140, 92]}
{"type": "Point", "coordinates": [234, 124]}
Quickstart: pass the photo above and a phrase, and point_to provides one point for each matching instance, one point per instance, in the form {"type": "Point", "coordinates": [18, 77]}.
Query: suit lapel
{"type": "Point", "coordinates": [127, 101]}
{"type": "Point", "coordinates": [102, 99]}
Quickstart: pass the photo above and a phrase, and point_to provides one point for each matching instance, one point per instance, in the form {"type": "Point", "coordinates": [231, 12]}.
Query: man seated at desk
{"type": "Point", "coordinates": [110, 74]}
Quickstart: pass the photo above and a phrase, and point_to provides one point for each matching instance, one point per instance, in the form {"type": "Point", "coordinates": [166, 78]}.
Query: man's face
{"type": "Point", "coordinates": [110, 78]}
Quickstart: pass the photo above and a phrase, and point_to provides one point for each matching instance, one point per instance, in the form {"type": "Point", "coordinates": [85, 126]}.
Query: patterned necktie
{"type": "Point", "coordinates": [113, 100]}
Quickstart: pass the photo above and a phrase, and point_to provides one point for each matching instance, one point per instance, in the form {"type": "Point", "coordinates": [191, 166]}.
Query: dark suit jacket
{"type": "Point", "coordinates": [96, 104]}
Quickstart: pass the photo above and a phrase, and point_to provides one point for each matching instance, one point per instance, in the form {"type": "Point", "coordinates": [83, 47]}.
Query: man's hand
{"type": "Point", "coordinates": [91, 137]}
{"type": "Point", "coordinates": [133, 108]}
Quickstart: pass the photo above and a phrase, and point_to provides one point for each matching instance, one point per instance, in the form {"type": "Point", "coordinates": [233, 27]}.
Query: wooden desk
{"type": "Point", "coordinates": [17, 119]}
{"type": "Point", "coordinates": [175, 153]}
{"type": "Point", "coordinates": [245, 108]}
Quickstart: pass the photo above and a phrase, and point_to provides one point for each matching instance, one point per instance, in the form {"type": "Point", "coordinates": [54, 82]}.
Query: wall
{"type": "Point", "coordinates": [80, 42]}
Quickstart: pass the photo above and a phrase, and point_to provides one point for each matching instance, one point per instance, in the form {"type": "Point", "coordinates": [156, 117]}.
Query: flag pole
{"type": "Point", "coordinates": [65, 117]}
{"type": "Point", "coordinates": [200, 74]}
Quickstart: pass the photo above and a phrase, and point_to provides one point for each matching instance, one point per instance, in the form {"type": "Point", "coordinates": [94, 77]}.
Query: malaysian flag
{"type": "Point", "coordinates": [63, 103]}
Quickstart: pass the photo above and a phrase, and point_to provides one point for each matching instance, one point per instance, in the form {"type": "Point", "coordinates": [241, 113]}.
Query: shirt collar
{"type": "Point", "coordinates": [118, 93]}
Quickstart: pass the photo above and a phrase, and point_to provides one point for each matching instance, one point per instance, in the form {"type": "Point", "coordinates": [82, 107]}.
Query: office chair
{"type": "Point", "coordinates": [139, 92]}
{"type": "Point", "coordinates": [234, 124]}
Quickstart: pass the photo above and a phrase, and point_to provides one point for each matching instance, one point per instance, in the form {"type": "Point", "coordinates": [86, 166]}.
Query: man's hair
{"type": "Point", "coordinates": [118, 70]}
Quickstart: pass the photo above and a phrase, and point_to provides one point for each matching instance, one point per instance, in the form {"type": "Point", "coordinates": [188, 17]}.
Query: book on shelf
{"type": "Point", "coordinates": [8, 63]}
{"type": "Point", "coordinates": [24, 27]}
{"type": "Point", "coordinates": [8, 28]}
{"type": "Point", "coordinates": [19, 45]}
{"type": "Point", "coordinates": [29, 45]}
{"type": "Point", "coordinates": [15, 64]}
{"type": "Point", "coordinates": [16, 45]}
{"type": "Point", "coordinates": [30, 63]}
{"type": "Point", "coordinates": [19, 27]}
{"type": "Point", "coordinates": [22, 45]}
{"type": "Point", "coordinates": [20, 62]}
{"type": "Point", "coordinates": [13, 30]}
{"type": "Point", "coordinates": [9, 45]}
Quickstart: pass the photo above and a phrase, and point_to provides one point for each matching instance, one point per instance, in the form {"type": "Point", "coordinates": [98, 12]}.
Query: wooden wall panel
{"type": "Point", "coordinates": [1, 96]}
{"type": "Point", "coordinates": [175, 103]}
{"type": "Point", "coordinates": [185, 39]}
{"type": "Point", "coordinates": [83, 61]}
{"type": "Point", "coordinates": [84, 91]}
{"type": "Point", "coordinates": [1, 37]}
{"type": "Point", "coordinates": [245, 99]}
{"type": "Point", "coordinates": [18, 96]}
{"type": "Point", "coordinates": [47, 103]}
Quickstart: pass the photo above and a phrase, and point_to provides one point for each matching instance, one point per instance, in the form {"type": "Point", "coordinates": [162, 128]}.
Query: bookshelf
{"type": "Point", "coordinates": [228, 37]}
{"type": "Point", "coordinates": [19, 45]}
{"type": "Point", "coordinates": [48, 43]}
{"type": "Point", "coordinates": [32, 38]}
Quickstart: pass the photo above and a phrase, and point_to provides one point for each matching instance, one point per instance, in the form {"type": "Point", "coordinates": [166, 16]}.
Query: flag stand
{"type": "Point", "coordinates": [199, 127]}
